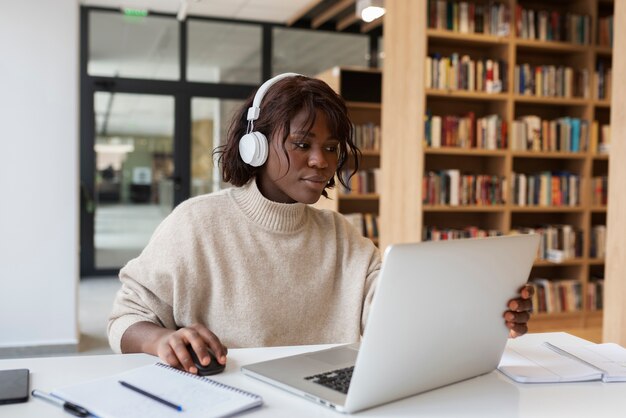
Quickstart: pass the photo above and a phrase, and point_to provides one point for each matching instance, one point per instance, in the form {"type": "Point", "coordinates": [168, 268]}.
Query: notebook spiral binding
{"type": "Point", "coordinates": [210, 381]}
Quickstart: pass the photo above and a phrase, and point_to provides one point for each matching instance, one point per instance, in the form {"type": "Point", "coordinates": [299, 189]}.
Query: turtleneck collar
{"type": "Point", "coordinates": [281, 217]}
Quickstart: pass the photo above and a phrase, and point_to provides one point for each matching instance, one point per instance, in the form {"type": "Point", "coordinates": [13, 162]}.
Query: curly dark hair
{"type": "Point", "coordinates": [281, 103]}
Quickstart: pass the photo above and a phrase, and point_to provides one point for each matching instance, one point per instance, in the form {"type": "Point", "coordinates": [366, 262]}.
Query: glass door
{"type": "Point", "coordinates": [133, 174]}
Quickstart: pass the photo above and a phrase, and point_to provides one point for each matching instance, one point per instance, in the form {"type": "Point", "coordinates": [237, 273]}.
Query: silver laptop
{"type": "Point", "coordinates": [436, 319]}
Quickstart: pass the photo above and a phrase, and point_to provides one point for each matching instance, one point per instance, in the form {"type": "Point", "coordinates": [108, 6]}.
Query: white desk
{"type": "Point", "coordinates": [491, 395]}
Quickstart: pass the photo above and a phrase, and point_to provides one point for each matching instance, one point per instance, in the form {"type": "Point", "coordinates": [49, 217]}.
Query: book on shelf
{"type": "Point", "coordinates": [602, 81]}
{"type": "Point", "coordinates": [551, 363]}
{"type": "Point", "coordinates": [362, 182]}
{"type": "Point", "coordinates": [595, 293]}
{"type": "Point", "coordinates": [450, 187]}
{"type": "Point", "coordinates": [599, 187]}
{"type": "Point", "coordinates": [558, 242]}
{"type": "Point", "coordinates": [489, 132]}
{"type": "Point", "coordinates": [469, 17]}
{"type": "Point", "coordinates": [551, 295]}
{"type": "Point", "coordinates": [464, 73]}
{"type": "Point", "coordinates": [367, 223]}
{"type": "Point", "coordinates": [565, 134]}
{"type": "Point", "coordinates": [600, 138]}
{"type": "Point", "coordinates": [546, 189]}
{"type": "Point", "coordinates": [605, 31]}
{"type": "Point", "coordinates": [433, 233]}
{"type": "Point", "coordinates": [366, 136]}
{"type": "Point", "coordinates": [597, 248]}
{"type": "Point", "coordinates": [550, 81]}
{"type": "Point", "coordinates": [544, 25]}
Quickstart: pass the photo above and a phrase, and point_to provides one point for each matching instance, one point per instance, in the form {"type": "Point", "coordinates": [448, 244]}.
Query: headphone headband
{"type": "Point", "coordinates": [254, 111]}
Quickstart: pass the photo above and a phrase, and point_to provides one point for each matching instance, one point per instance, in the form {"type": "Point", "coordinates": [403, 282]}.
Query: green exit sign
{"type": "Point", "coordinates": [134, 12]}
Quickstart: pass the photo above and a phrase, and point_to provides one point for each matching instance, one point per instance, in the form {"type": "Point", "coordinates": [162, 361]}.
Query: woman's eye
{"type": "Point", "coordinates": [333, 148]}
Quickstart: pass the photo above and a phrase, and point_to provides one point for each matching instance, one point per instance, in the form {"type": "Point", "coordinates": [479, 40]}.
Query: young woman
{"type": "Point", "coordinates": [254, 265]}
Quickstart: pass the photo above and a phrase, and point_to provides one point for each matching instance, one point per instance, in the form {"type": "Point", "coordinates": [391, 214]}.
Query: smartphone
{"type": "Point", "coordinates": [14, 385]}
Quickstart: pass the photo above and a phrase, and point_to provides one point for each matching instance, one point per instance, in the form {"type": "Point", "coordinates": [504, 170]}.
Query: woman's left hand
{"type": "Point", "coordinates": [516, 318]}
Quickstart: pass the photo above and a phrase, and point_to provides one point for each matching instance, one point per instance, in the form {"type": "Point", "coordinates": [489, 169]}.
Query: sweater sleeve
{"type": "Point", "coordinates": [368, 256]}
{"type": "Point", "coordinates": [371, 280]}
{"type": "Point", "coordinates": [149, 281]}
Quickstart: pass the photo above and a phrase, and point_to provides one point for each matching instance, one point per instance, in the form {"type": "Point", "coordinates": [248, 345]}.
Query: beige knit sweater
{"type": "Point", "coordinates": [255, 272]}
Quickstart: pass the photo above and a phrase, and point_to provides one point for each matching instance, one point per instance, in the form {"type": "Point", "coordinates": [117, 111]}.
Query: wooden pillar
{"type": "Point", "coordinates": [402, 121]}
{"type": "Point", "coordinates": [615, 267]}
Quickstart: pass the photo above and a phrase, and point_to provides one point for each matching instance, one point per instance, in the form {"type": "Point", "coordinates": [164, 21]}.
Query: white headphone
{"type": "Point", "coordinates": [253, 146]}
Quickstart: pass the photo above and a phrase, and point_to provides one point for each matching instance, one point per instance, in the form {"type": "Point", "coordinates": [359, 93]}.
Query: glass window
{"type": "Point", "coordinates": [133, 174]}
{"type": "Point", "coordinates": [133, 47]}
{"type": "Point", "coordinates": [309, 53]}
{"type": "Point", "coordinates": [224, 52]}
{"type": "Point", "coordinates": [210, 121]}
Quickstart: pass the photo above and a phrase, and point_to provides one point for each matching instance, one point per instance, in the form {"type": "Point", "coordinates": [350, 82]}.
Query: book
{"type": "Point", "coordinates": [198, 396]}
{"type": "Point", "coordinates": [551, 363]}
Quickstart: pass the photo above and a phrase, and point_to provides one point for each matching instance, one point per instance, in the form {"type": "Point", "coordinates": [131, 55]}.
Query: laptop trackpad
{"type": "Point", "coordinates": [335, 356]}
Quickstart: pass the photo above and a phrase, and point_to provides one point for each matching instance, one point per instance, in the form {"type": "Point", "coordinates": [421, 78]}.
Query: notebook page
{"type": "Point", "coordinates": [609, 357]}
{"type": "Point", "coordinates": [199, 397]}
{"type": "Point", "coordinates": [540, 364]}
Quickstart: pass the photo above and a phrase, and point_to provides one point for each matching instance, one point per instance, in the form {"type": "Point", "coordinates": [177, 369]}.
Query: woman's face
{"type": "Point", "coordinates": [312, 162]}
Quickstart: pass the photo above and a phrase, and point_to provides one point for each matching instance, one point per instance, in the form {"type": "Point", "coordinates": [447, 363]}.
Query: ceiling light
{"type": "Point", "coordinates": [370, 10]}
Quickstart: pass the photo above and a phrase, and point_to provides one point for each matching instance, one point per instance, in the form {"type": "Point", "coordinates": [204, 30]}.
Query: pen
{"type": "Point", "coordinates": [151, 396]}
{"type": "Point", "coordinates": [73, 409]}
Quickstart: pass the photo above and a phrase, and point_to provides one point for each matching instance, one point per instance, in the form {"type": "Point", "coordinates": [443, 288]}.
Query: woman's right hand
{"type": "Point", "coordinates": [172, 348]}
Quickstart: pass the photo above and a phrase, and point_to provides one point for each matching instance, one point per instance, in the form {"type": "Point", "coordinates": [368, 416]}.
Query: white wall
{"type": "Point", "coordinates": [39, 83]}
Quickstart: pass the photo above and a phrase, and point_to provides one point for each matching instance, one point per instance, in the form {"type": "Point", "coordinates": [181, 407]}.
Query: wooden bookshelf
{"type": "Point", "coordinates": [361, 89]}
{"type": "Point", "coordinates": [408, 39]}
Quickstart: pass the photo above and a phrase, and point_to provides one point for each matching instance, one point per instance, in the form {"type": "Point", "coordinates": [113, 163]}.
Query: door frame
{"type": "Point", "coordinates": [181, 90]}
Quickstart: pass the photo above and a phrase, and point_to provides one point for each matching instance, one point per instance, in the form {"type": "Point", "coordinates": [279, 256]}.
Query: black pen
{"type": "Point", "coordinates": [73, 409]}
{"type": "Point", "coordinates": [151, 396]}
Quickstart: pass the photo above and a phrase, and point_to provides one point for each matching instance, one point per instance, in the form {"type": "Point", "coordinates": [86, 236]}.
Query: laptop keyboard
{"type": "Point", "coordinates": [338, 380]}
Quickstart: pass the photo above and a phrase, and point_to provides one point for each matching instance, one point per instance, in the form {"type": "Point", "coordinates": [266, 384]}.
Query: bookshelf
{"type": "Point", "coordinates": [361, 89]}
{"type": "Point", "coordinates": [408, 155]}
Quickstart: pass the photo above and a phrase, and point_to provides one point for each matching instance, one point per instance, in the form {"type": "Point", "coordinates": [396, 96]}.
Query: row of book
{"type": "Point", "coordinates": [450, 187]}
{"type": "Point", "coordinates": [469, 17]}
{"type": "Point", "coordinates": [364, 181]}
{"type": "Point", "coordinates": [602, 81]}
{"type": "Point", "coordinates": [528, 133]}
{"type": "Point", "coordinates": [550, 81]}
{"type": "Point", "coordinates": [547, 25]}
{"type": "Point", "coordinates": [595, 294]}
{"type": "Point", "coordinates": [367, 223]}
{"type": "Point", "coordinates": [605, 31]}
{"type": "Point", "coordinates": [433, 233]}
{"type": "Point", "coordinates": [546, 189]}
{"type": "Point", "coordinates": [531, 133]}
{"type": "Point", "coordinates": [489, 132]}
{"type": "Point", "coordinates": [493, 18]}
{"type": "Point", "coordinates": [558, 242]}
{"type": "Point", "coordinates": [552, 296]}
{"type": "Point", "coordinates": [597, 247]}
{"type": "Point", "coordinates": [464, 73]}
{"type": "Point", "coordinates": [367, 136]}
{"type": "Point", "coordinates": [600, 189]}
{"type": "Point", "coordinates": [600, 141]}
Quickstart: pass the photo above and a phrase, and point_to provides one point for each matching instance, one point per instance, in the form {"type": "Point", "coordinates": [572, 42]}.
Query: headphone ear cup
{"type": "Point", "coordinates": [253, 149]}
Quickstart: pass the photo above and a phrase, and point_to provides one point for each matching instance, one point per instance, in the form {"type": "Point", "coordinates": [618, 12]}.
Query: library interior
{"type": "Point", "coordinates": [473, 119]}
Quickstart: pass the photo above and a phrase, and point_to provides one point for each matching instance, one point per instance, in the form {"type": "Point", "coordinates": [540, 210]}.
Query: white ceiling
{"type": "Point", "coordinates": [279, 11]}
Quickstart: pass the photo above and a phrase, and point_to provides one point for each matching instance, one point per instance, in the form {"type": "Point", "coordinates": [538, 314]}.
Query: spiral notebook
{"type": "Point", "coordinates": [198, 396]}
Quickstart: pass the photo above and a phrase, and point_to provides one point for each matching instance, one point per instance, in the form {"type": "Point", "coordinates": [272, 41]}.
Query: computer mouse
{"type": "Point", "coordinates": [214, 367]}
